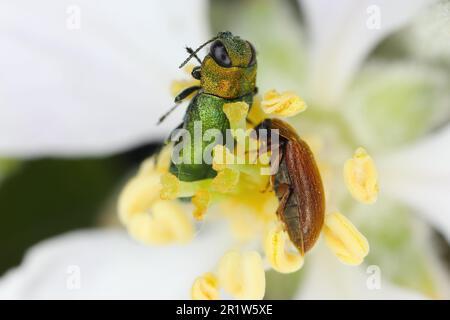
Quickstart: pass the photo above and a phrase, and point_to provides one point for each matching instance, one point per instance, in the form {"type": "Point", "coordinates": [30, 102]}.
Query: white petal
{"type": "Point", "coordinates": [327, 278]}
{"type": "Point", "coordinates": [428, 36]}
{"type": "Point", "coordinates": [111, 266]}
{"type": "Point", "coordinates": [100, 88]}
{"type": "Point", "coordinates": [341, 39]}
{"type": "Point", "coordinates": [420, 176]}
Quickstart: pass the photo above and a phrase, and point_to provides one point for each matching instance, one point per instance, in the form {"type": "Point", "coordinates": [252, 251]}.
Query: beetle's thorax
{"type": "Point", "coordinates": [228, 83]}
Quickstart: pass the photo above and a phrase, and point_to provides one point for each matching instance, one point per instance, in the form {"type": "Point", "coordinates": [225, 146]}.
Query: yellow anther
{"type": "Point", "coordinates": [205, 287]}
{"type": "Point", "coordinates": [225, 181]}
{"type": "Point", "coordinates": [138, 195]}
{"type": "Point", "coordinates": [222, 157]}
{"type": "Point", "coordinates": [236, 113]}
{"type": "Point", "coordinates": [276, 246]}
{"type": "Point", "coordinates": [361, 177]}
{"type": "Point", "coordinates": [201, 201]}
{"type": "Point", "coordinates": [256, 114]}
{"type": "Point", "coordinates": [157, 164]}
{"type": "Point", "coordinates": [164, 159]}
{"type": "Point", "coordinates": [346, 242]}
{"type": "Point", "coordinates": [165, 222]}
{"type": "Point", "coordinates": [147, 167]}
{"type": "Point", "coordinates": [148, 218]}
{"type": "Point", "coordinates": [284, 104]}
{"type": "Point", "coordinates": [242, 275]}
{"type": "Point", "coordinates": [170, 186]}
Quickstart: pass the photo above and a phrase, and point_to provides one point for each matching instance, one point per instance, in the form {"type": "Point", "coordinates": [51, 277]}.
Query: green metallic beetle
{"type": "Point", "coordinates": [227, 74]}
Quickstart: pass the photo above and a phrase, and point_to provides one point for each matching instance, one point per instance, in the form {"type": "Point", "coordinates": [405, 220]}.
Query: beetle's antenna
{"type": "Point", "coordinates": [191, 51]}
{"type": "Point", "coordinates": [164, 116]}
{"type": "Point", "coordinates": [196, 51]}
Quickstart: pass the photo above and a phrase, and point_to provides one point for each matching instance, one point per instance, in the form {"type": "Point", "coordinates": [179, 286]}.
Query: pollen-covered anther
{"type": "Point", "coordinates": [156, 164]}
{"type": "Point", "coordinates": [205, 287]}
{"type": "Point", "coordinates": [242, 275]}
{"type": "Point", "coordinates": [140, 192]}
{"type": "Point", "coordinates": [163, 160]}
{"type": "Point", "coordinates": [222, 157]}
{"type": "Point", "coordinates": [225, 181]}
{"type": "Point", "coordinates": [276, 247]}
{"type": "Point", "coordinates": [201, 201]}
{"type": "Point", "coordinates": [344, 240]}
{"type": "Point", "coordinates": [236, 113]}
{"type": "Point", "coordinates": [361, 177]}
{"type": "Point", "coordinates": [165, 222]}
{"type": "Point", "coordinates": [286, 104]}
{"type": "Point", "coordinates": [149, 219]}
{"type": "Point", "coordinates": [255, 114]}
{"type": "Point", "coordinates": [170, 186]}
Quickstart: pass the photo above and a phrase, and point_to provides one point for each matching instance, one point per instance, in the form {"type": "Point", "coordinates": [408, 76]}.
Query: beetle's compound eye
{"type": "Point", "coordinates": [220, 54]}
{"type": "Point", "coordinates": [253, 58]}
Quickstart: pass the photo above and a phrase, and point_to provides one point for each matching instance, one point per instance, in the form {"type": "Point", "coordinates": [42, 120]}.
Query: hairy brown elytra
{"type": "Point", "coordinates": [298, 186]}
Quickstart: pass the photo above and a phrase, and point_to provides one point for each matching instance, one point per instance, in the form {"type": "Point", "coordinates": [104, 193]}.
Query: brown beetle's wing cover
{"type": "Point", "coordinates": [307, 188]}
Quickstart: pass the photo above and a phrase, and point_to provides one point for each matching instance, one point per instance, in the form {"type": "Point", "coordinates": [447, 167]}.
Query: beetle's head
{"type": "Point", "coordinates": [229, 69]}
{"type": "Point", "coordinates": [230, 51]}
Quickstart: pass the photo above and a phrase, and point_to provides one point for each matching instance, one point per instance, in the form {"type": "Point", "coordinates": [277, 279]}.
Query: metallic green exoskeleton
{"type": "Point", "coordinates": [227, 74]}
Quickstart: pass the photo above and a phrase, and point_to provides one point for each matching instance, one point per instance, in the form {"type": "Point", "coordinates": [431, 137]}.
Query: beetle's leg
{"type": "Point", "coordinates": [164, 116]}
{"type": "Point", "coordinates": [182, 95]}
{"type": "Point", "coordinates": [256, 128]}
{"type": "Point", "coordinates": [271, 183]}
{"type": "Point", "coordinates": [283, 193]}
{"type": "Point", "coordinates": [250, 122]}
{"type": "Point", "coordinates": [287, 212]}
{"type": "Point", "coordinates": [192, 52]}
{"type": "Point", "coordinates": [185, 93]}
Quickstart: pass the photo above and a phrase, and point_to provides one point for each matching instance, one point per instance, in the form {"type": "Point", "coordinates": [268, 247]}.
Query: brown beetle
{"type": "Point", "coordinates": [298, 186]}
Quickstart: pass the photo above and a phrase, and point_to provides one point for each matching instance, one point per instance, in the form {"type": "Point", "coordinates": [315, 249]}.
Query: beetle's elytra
{"type": "Point", "coordinates": [228, 74]}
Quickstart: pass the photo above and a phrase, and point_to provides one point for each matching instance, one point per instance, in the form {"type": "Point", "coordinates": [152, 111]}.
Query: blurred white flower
{"type": "Point", "coordinates": [96, 89]}
{"type": "Point", "coordinates": [328, 279]}
{"type": "Point", "coordinates": [110, 265]}
{"type": "Point", "coordinates": [420, 176]}
{"type": "Point", "coordinates": [341, 40]}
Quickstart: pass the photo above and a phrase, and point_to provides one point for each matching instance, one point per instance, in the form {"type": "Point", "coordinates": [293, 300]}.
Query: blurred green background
{"type": "Point", "coordinates": [45, 197]}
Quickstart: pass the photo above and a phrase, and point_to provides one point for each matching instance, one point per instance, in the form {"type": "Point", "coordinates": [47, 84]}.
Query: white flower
{"type": "Point", "coordinates": [328, 279]}
{"type": "Point", "coordinates": [342, 37]}
{"type": "Point", "coordinates": [419, 175]}
{"type": "Point", "coordinates": [108, 264]}
{"type": "Point", "coordinates": [93, 90]}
